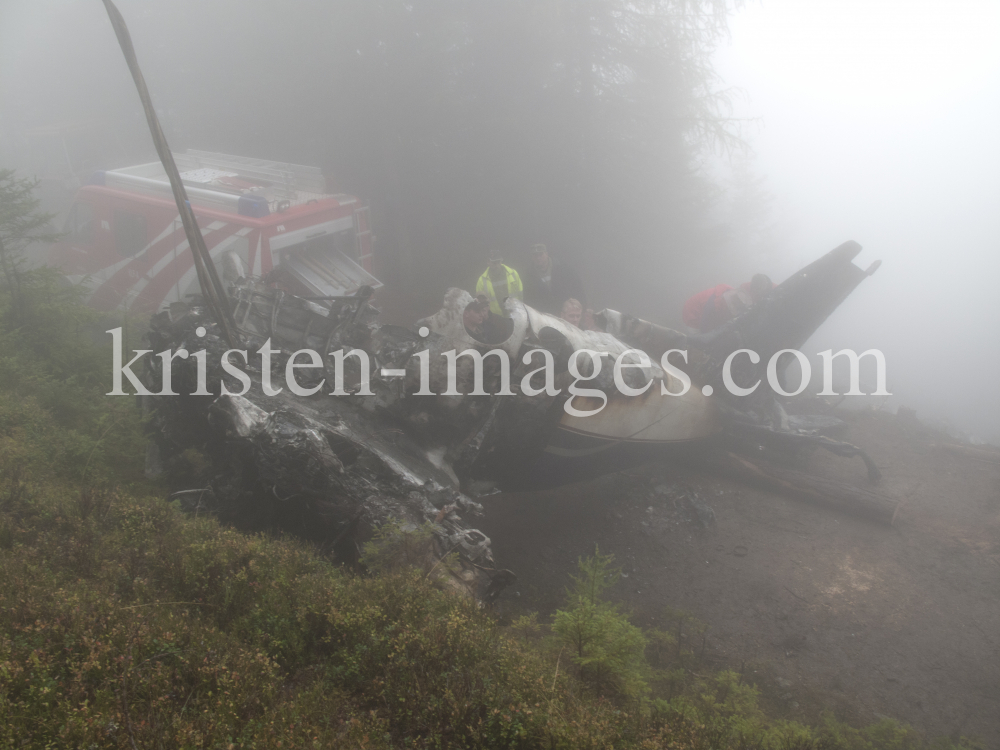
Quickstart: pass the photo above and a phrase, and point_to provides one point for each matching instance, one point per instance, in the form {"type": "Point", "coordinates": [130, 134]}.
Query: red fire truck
{"type": "Point", "coordinates": [259, 218]}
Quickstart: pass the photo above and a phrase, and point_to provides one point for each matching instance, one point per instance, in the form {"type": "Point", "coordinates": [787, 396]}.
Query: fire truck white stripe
{"type": "Point", "coordinates": [100, 277]}
{"type": "Point", "coordinates": [188, 278]}
{"type": "Point", "coordinates": [170, 257]}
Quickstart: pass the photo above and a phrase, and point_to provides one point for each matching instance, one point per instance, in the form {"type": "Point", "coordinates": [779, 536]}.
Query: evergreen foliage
{"type": "Point", "coordinates": [21, 224]}
{"type": "Point", "coordinates": [607, 649]}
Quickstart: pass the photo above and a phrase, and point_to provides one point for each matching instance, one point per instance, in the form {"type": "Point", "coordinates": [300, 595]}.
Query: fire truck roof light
{"type": "Point", "coordinates": [252, 205]}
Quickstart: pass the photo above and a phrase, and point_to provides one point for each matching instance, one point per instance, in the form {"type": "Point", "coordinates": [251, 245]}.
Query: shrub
{"type": "Point", "coordinates": [606, 648]}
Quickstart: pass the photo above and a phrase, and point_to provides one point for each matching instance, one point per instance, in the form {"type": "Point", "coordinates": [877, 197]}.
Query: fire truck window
{"type": "Point", "coordinates": [80, 223]}
{"type": "Point", "coordinates": [130, 233]}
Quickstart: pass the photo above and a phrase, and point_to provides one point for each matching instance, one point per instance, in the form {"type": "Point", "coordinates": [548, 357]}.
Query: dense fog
{"type": "Point", "coordinates": [659, 147]}
{"type": "Point", "coordinates": [876, 121]}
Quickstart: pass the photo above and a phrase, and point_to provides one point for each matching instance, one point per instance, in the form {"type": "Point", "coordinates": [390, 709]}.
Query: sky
{"type": "Point", "coordinates": [878, 121]}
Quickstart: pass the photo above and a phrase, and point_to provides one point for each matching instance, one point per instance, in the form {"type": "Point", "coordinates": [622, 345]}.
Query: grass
{"type": "Point", "coordinates": [125, 623]}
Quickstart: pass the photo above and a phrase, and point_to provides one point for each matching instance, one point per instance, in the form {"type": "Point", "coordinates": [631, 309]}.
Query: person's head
{"type": "Point", "coordinates": [475, 314]}
{"type": "Point", "coordinates": [760, 287]}
{"type": "Point", "coordinates": [572, 311]}
{"type": "Point", "coordinates": [540, 257]}
{"type": "Point", "coordinates": [496, 260]}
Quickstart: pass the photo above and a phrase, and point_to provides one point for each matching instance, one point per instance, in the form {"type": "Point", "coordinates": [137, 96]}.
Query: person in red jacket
{"type": "Point", "coordinates": [711, 308]}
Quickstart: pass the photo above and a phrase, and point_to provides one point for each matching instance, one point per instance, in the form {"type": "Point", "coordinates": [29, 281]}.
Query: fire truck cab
{"type": "Point", "coordinates": [125, 239]}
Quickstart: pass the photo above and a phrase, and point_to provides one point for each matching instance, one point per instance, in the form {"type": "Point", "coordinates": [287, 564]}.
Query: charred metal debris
{"type": "Point", "coordinates": [333, 469]}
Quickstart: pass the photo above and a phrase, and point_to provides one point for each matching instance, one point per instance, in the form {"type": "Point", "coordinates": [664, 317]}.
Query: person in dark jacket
{"type": "Point", "coordinates": [549, 282]}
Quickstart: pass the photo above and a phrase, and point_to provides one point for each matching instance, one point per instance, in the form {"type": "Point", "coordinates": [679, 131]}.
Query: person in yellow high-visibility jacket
{"type": "Point", "coordinates": [498, 282]}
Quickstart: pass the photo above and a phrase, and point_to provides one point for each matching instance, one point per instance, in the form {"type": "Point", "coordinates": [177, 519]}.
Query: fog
{"type": "Point", "coordinates": [877, 122]}
{"type": "Point", "coordinates": [867, 121]}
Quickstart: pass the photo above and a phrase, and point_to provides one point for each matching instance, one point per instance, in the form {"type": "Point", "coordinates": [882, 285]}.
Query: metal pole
{"type": "Point", "coordinates": [208, 277]}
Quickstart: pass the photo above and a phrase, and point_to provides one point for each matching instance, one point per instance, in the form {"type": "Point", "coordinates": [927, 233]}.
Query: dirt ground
{"type": "Point", "coordinates": [820, 609]}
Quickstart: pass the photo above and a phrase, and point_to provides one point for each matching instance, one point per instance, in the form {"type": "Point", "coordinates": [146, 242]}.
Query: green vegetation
{"type": "Point", "coordinates": [21, 224]}
{"type": "Point", "coordinates": [606, 648]}
{"type": "Point", "coordinates": [124, 623]}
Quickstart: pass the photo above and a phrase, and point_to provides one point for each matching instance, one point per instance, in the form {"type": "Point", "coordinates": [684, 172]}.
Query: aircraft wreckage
{"type": "Point", "coordinates": [332, 467]}
{"type": "Point", "coordinates": [405, 441]}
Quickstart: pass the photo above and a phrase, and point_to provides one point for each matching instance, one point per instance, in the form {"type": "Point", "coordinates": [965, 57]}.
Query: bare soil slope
{"type": "Point", "coordinates": [820, 609]}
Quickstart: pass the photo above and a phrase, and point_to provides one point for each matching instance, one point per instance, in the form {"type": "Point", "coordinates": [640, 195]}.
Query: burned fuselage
{"type": "Point", "coordinates": [342, 424]}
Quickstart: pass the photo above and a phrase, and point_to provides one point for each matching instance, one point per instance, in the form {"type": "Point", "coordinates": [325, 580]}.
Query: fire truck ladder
{"type": "Point", "coordinates": [290, 177]}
